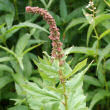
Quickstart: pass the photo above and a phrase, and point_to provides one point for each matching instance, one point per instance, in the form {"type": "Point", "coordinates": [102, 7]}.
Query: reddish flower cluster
{"type": "Point", "coordinates": [54, 31]}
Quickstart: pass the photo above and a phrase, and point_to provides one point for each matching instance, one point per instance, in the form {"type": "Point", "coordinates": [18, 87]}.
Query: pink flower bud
{"type": "Point", "coordinates": [54, 44]}
{"type": "Point", "coordinates": [28, 9]}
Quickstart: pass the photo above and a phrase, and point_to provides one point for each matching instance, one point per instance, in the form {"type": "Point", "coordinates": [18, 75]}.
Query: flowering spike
{"type": "Point", "coordinates": [54, 31]}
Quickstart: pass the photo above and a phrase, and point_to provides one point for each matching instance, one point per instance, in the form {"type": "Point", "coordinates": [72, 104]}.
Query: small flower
{"type": "Point", "coordinates": [59, 49]}
{"type": "Point", "coordinates": [88, 6]}
{"type": "Point", "coordinates": [91, 3]}
{"type": "Point", "coordinates": [94, 8]}
{"type": "Point", "coordinates": [54, 44]}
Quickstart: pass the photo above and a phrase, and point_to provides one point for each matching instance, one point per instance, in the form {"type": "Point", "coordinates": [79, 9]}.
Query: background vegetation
{"type": "Point", "coordinates": [23, 37]}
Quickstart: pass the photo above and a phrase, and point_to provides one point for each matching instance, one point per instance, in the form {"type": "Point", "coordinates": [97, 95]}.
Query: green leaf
{"type": "Point", "coordinates": [82, 50]}
{"type": "Point", "coordinates": [98, 20]}
{"type": "Point", "coordinates": [9, 51]}
{"type": "Point", "coordinates": [107, 2]}
{"type": "Point", "coordinates": [31, 48]}
{"type": "Point", "coordinates": [104, 34]}
{"type": "Point", "coordinates": [75, 22]}
{"type": "Point", "coordinates": [21, 44]}
{"type": "Point", "coordinates": [15, 28]}
{"type": "Point", "coordinates": [66, 69]}
{"type": "Point", "coordinates": [27, 63]}
{"type": "Point", "coordinates": [49, 4]}
{"type": "Point", "coordinates": [2, 25]}
{"type": "Point", "coordinates": [7, 6]}
{"type": "Point", "coordinates": [92, 81]}
{"type": "Point", "coordinates": [107, 64]}
{"type": "Point", "coordinates": [4, 81]}
{"type": "Point", "coordinates": [19, 107]}
{"type": "Point", "coordinates": [40, 98]}
{"type": "Point", "coordinates": [18, 58]}
{"type": "Point", "coordinates": [78, 67]}
{"type": "Point", "coordinates": [104, 52]}
{"type": "Point", "coordinates": [48, 70]}
{"type": "Point", "coordinates": [101, 94]}
{"type": "Point", "coordinates": [76, 13]}
{"type": "Point", "coordinates": [20, 61]}
{"type": "Point", "coordinates": [5, 68]}
{"type": "Point", "coordinates": [19, 79]}
{"type": "Point", "coordinates": [44, 3]}
{"type": "Point", "coordinates": [63, 9]}
{"type": "Point", "coordinates": [76, 98]}
{"type": "Point", "coordinates": [5, 59]}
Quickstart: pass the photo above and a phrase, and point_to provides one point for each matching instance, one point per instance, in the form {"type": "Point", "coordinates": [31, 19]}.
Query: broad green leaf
{"type": "Point", "coordinates": [76, 98]}
{"type": "Point", "coordinates": [92, 81]}
{"type": "Point", "coordinates": [47, 70]}
{"type": "Point", "coordinates": [40, 98]}
{"type": "Point", "coordinates": [4, 81]}
{"type": "Point", "coordinates": [20, 52]}
{"type": "Point", "coordinates": [101, 94]}
{"type": "Point", "coordinates": [21, 44]}
{"type": "Point", "coordinates": [78, 67]}
{"type": "Point", "coordinates": [63, 9]}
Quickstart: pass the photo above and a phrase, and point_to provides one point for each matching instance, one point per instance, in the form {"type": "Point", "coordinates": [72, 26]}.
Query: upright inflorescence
{"type": "Point", "coordinates": [54, 32]}
{"type": "Point", "coordinates": [57, 51]}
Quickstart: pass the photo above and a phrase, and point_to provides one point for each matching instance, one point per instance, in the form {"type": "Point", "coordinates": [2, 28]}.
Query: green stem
{"type": "Point", "coordinates": [62, 80]}
{"type": "Point", "coordinates": [65, 96]}
{"type": "Point", "coordinates": [96, 33]}
{"type": "Point", "coordinates": [16, 10]}
{"type": "Point", "coordinates": [97, 50]}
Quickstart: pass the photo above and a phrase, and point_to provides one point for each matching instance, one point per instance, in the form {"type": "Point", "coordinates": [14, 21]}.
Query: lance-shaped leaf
{"type": "Point", "coordinates": [78, 67]}
{"type": "Point", "coordinates": [76, 97]}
